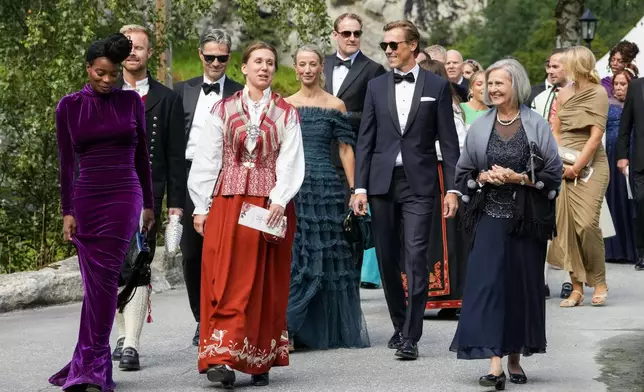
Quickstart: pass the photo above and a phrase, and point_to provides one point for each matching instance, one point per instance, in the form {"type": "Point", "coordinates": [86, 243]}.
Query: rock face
{"type": "Point", "coordinates": [376, 13]}
{"type": "Point", "coordinates": [61, 283]}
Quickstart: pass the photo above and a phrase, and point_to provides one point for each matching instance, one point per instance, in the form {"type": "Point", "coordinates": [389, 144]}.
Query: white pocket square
{"type": "Point", "coordinates": [427, 99]}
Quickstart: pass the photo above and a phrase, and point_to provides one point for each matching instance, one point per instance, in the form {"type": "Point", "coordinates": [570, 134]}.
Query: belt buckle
{"type": "Point", "coordinates": [249, 165]}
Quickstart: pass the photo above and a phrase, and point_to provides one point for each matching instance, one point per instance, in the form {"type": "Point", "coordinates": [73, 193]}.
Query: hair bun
{"type": "Point", "coordinates": [117, 48]}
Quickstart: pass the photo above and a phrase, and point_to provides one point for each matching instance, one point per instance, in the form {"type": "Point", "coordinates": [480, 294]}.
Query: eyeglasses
{"type": "Point", "coordinates": [393, 45]}
{"type": "Point", "coordinates": [347, 34]}
{"type": "Point", "coordinates": [209, 58]}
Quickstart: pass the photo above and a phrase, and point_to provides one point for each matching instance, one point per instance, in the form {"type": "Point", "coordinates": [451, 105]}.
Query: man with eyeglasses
{"type": "Point", "coordinates": [199, 95]}
{"type": "Point", "coordinates": [346, 75]}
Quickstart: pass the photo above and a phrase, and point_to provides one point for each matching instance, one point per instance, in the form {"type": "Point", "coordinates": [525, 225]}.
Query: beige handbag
{"type": "Point", "coordinates": [569, 156]}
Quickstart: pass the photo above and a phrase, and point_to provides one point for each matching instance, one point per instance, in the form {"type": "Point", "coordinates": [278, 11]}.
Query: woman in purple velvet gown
{"type": "Point", "coordinates": [105, 129]}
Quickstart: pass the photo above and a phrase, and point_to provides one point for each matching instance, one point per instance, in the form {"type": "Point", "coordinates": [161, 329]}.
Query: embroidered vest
{"type": "Point", "coordinates": [250, 173]}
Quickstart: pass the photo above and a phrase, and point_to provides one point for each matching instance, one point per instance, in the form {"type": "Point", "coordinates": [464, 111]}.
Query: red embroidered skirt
{"type": "Point", "coordinates": [244, 291]}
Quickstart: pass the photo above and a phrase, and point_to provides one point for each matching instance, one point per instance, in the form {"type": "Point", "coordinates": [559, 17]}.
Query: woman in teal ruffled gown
{"type": "Point", "coordinates": [324, 302]}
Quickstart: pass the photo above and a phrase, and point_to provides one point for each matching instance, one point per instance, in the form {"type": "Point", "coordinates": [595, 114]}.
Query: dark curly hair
{"type": "Point", "coordinates": [627, 49]}
{"type": "Point", "coordinates": [116, 48]}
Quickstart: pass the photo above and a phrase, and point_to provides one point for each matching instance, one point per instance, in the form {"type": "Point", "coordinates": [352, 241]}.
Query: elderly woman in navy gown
{"type": "Point", "coordinates": [105, 129]}
{"type": "Point", "coordinates": [621, 247]}
{"type": "Point", "coordinates": [508, 172]}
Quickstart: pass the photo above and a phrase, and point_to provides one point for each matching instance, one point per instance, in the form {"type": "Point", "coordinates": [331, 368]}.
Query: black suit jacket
{"type": "Point", "coordinates": [536, 90]}
{"type": "Point", "coordinates": [632, 121]}
{"type": "Point", "coordinates": [380, 138]}
{"type": "Point", "coordinates": [189, 93]}
{"type": "Point", "coordinates": [166, 144]}
{"type": "Point", "coordinates": [462, 89]}
{"type": "Point", "coordinates": [352, 91]}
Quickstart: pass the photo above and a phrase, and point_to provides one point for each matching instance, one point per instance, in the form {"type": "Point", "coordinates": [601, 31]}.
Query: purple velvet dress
{"type": "Point", "coordinates": [107, 134]}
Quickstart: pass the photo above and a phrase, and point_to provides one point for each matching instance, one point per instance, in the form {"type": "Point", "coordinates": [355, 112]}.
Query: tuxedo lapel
{"type": "Point", "coordinates": [391, 101]}
{"type": "Point", "coordinates": [415, 102]}
{"type": "Point", "coordinates": [356, 69]}
{"type": "Point", "coordinates": [328, 73]}
{"type": "Point", "coordinates": [191, 96]}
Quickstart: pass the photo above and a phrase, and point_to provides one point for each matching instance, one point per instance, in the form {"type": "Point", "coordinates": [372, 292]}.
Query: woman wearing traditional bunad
{"type": "Point", "coordinates": [252, 155]}
{"type": "Point", "coordinates": [581, 121]}
{"type": "Point", "coordinates": [509, 172]}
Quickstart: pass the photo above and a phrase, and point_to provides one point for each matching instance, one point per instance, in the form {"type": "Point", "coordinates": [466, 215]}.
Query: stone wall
{"type": "Point", "coordinates": [61, 283]}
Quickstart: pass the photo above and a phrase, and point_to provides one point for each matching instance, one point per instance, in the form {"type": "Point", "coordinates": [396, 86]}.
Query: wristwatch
{"type": "Point", "coordinates": [523, 176]}
{"type": "Point", "coordinates": [352, 190]}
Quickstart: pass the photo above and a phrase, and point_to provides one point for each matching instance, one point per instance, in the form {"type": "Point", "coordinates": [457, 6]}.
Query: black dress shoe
{"type": "Point", "coordinates": [77, 388]}
{"type": "Point", "coordinates": [129, 359]}
{"type": "Point", "coordinates": [220, 373]}
{"type": "Point", "coordinates": [118, 351]}
{"type": "Point", "coordinates": [639, 266]}
{"type": "Point", "coordinates": [368, 285]}
{"type": "Point", "coordinates": [490, 380]}
{"type": "Point", "coordinates": [259, 380]}
{"type": "Point", "coordinates": [396, 341]}
{"type": "Point", "coordinates": [518, 378]}
{"type": "Point", "coordinates": [566, 290]}
{"type": "Point", "coordinates": [408, 350]}
{"type": "Point", "coordinates": [195, 339]}
{"type": "Point", "coordinates": [93, 388]}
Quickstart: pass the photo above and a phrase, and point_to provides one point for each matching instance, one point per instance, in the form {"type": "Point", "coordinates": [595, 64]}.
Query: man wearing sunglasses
{"type": "Point", "coordinates": [405, 112]}
{"type": "Point", "coordinates": [199, 95]}
{"type": "Point", "coordinates": [346, 74]}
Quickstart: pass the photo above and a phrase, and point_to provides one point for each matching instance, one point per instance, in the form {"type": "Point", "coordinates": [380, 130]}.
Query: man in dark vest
{"type": "Point", "coordinates": [199, 95]}
{"type": "Point", "coordinates": [166, 144]}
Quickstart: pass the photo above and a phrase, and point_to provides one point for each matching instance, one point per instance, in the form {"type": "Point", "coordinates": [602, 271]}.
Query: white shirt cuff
{"type": "Point", "coordinates": [360, 191]}
{"type": "Point", "coordinates": [456, 192]}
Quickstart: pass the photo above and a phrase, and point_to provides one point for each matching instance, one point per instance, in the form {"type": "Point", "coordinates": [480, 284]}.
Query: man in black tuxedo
{"type": "Point", "coordinates": [631, 157]}
{"type": "Point", "coordinates": [405, 112]}
{"type": "Point", "coordinates": [199, 95]}
{"type": "Point", "coordinates": [346, 75]}
{"type": "Point", "coordinates": [166, 145]}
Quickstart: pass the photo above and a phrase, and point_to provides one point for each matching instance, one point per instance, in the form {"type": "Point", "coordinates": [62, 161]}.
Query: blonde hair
{"type": "Point", "coordinates": [135, 28]}
{"type": "Point", "coordinates": [311, 48]}
{"type": "Point", "coordinates": [579, 63]}
{"type": "Point", "coordinates": [475, 75]}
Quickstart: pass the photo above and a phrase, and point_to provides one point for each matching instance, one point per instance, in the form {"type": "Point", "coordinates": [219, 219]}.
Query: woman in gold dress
{"type": "Point", "coordinates": [579, 127]}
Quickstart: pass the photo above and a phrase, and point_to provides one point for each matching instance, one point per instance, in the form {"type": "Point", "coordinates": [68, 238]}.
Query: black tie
{"type": "Point", "coordinates": [339, 62]}
{"type": "Point", "coordinates": [208, 88]}
{"type": "Point", "coordinates": [408, 77]}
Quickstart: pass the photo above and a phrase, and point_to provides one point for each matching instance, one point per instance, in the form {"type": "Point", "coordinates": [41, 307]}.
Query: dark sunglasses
{"type": "Point", "coordinates": [211, 57]}
{"type": "Point", "coordinates": [393, 45]}
{"type": "Point", "coordinates": [347, 34]}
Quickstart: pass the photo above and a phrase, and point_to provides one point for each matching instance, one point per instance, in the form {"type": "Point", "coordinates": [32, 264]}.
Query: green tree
{"type": "Point", "coordinates": [42, 48]}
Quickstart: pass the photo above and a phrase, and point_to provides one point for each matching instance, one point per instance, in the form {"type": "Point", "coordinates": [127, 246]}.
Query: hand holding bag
{"type": "Point", "coordinates": [139, 251]}
{"type": "Point", "coordinates": [357, 229]}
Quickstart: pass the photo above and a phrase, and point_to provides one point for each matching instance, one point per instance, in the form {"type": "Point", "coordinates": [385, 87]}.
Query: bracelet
{"type": "Point", "coordinates": [523, 177]}
{"type": "Point", "coordinates": [352, 190]}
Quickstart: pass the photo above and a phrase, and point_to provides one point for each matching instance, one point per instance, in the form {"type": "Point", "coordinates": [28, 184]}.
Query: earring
{"type": "Point", "coordinates": [297, 78]}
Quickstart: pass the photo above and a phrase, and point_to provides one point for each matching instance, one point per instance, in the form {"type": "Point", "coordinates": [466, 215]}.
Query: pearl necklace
{"type": "Point", "coordinates": [506, 123]}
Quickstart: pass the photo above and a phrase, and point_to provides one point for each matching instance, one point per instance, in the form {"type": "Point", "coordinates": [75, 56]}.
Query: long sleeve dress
{"type": "Point", "coordinates": [107, 134]}
{"type": "Point", "coordinates": [251, 153]}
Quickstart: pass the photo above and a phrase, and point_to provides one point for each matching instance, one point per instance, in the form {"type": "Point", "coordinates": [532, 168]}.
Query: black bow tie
{"type": "Point", "coordinates": [408, 77]}
{"type": "Point", "coordinates": [339, 62]}
{"type": "Point", "coordinates": [209, 87]}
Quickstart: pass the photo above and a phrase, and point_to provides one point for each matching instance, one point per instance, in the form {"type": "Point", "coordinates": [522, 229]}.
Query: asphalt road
{"type": "Point", "coordinates": [590, 349]}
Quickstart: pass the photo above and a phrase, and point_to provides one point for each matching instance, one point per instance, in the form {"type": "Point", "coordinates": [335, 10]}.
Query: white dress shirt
{"type": "Point", "coordinates": [142, 86]}
{"type": "Point", "coordinates": [340, 72]}
{"type": "Point", "coordinates": [202, 111]}
{"type": "Point", "coordinates": [208, 157]}
{"type": "Point", "coordinates": [404, 96]}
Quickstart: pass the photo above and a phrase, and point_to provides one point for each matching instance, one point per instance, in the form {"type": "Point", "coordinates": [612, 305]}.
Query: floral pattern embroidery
{"type": "Point", "coordinates": [252, 355]}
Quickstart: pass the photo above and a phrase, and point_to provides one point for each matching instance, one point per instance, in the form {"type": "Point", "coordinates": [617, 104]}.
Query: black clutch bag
{"type": "Point", "coordinates": [357, 230]}
{"type": "Point", "coordinates": [138, 254]}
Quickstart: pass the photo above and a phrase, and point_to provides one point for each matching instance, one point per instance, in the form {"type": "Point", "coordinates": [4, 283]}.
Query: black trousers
{"type": "Point", "coordinates": [398, 212]}
{"type": "Point", "coordinates": [191, 246]}
{"type": "Point", "coordinates": [357, 249]}
{"type": "Point", "coordinates": [638, 193]}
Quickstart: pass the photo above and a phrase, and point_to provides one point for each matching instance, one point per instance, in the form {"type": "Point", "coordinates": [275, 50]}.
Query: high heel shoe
{"type": "Point", "coordinates": [490, 380]}
{"type": "Point", "coordinates": [518, 378]}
